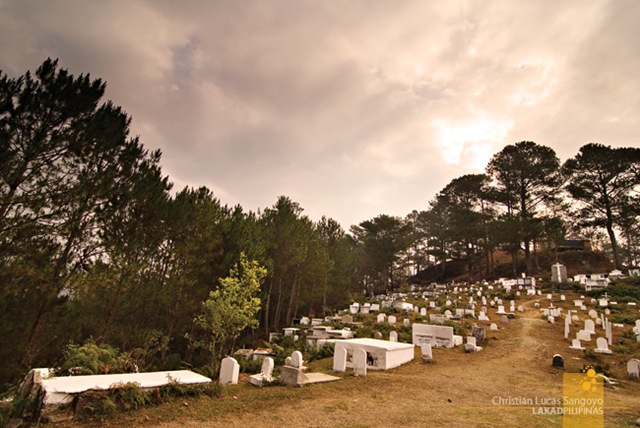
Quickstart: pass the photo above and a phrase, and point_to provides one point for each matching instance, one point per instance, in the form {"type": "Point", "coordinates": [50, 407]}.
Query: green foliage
{"type": "Point", "coordinates": [598, 362]}
{"type": "Point", "coordinates": [100, 405]}
{"type": "Point", "coordinates": [129, 396]}
{"type": "Point", "coordinates": [249, 365]}
{"type": "Point", "coordinates": [5, 410]}
{"type": "Point", "coordinates": [324, 351]}
{"type": "Point", "coordinates": [604, 179]}
{"type": "Point", "coordinates": [88, 359]}
{"type": "Point", "coordinates": [230, 309]}
{"type": "Point", "coordinates": [92, 358]}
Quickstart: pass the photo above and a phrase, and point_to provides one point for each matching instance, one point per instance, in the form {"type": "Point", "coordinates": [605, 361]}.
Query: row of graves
{"type": "Point", "coordinates": [588, 328]}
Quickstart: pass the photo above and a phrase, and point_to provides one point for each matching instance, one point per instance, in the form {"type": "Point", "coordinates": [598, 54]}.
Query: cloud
{"type": "Point", "coordinates": [353, 109]}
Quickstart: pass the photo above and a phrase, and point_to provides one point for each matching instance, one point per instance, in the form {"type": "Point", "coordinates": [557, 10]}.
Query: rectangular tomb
{"type": "Point", "coordinates": [381, 354]}
{"type": "Point", "coordinates": [438, 336]}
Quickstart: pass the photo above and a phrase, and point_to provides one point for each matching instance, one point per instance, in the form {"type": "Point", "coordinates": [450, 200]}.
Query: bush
{"type": "Point", "coordinates": [99, 405]}
{"type": "Point", "coordinates": [88, 359]}
{"type": "Point", "coordinates": [324, 351]}
{"type": "Point", "coordinates": [249, 365]}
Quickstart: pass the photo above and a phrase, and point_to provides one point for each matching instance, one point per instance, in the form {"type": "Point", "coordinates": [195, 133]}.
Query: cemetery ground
{"type": "Point", "coordinates": [457, 390]}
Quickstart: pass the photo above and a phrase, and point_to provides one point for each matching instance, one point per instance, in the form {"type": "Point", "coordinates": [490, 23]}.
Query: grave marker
{"type": "Point", "coordinates": [229, 371]}
{"type": "Point", "coordinates": [557, 361]}
{"type": "Point", "coordinates": [359, 362]}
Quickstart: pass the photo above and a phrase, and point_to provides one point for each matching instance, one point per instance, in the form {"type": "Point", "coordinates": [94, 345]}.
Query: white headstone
{"type": "Point", "coordinates": [406, 322]}
{"type": "Point", "coordinates": [229, 371]}
{"type": "Point", "coordinates": [575, 344]}
{"type": "Point", "coordinates": [590, 326]}
{"type": "Point", "coordinates": [583, 336]}
{"type": "Point", "coordinates": [603, 346]}
{"type": "Point", "coordinates": [340, 359]}
{"type": "Point", "coordinates": [393, 336]}
{"type": "Point", "coordinates": [380, 318]}
{"type": "Point", "coordinates": [423, 312]}
{"type": "Point", "coordinates": [427, 352]}
{"type": "Point", "coordinates": [359, 362]}
{"type": "Point", "coordinates": [493, 326]}
{"type": "Point", "coordinates": [633, 369]}
{"type": "Point", "coordinates": [391, 319]}
{"type": "Point", "coordinates": [296, 359]}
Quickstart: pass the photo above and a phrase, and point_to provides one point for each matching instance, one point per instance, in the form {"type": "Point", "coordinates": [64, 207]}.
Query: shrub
{"type": "Point", "coordinates": [88, 359]}
{"type": "Point", "coordinates": [249, 365]}
{"type": "Point", "coordinates": [324, 351]}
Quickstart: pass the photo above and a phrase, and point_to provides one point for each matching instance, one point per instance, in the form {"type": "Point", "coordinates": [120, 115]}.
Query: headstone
{"type": "Point", "coordinates": [520, 308]}
{"type": "Point", "coordinates": [575, 344]}
{"type": "Point", "coordinates": [296, 359]}
{"type": "Point", "coordinates": [602, 346]}
{"type": "Point", "coordinates": [391, 319]}
{"type": "Point", "coordinates": [633, 369]}
{"type": "Point", "coordinates": [265, 374]}
{"type": "Point", "coordinates": [501, 310]}
{"type": "Point", "coordinates": [393, 336]}
{"type": "Point", "coordinates": [229, 371]}
{"type": "Point", "coordinates": [479, 333]}
{"type": "Point", "coordinates": [340, 360]}
{"type": "Point", "coordinates": [593, 314]}
{"type": "Point", "coordinates": [380, 318]}
{"type": "Point", "coordinates": [435, 335]}
{"type": "Point", "coordinates": [493, 327]}
{"type": "Point", "coordinates": [584, 336]}
{"type": "Point", "coordinates": [287, 361]}
{"type": "Point", "coordinates": [377, 335]}
{"type": "Point", "coordinates": [427, 352]}
{"type": "Point", "coordinates": [447, 313]}
{"type": "Point", "coordinates": [423, 312]}
{"type": "Point", "coordinates": [406, 322]}
{"type": "Point", "coordinates": [557, 361]}
{"type": "Point", "coordinates": [505, 319]}
{"type": "Point", "coordinates": [359, 362]}
{"type": "Point", "coordinates": [354, 309]}
{"type": "Point", "coordinates": [347, 319]}
{"type": "Point", "coordinates": [590, 326]}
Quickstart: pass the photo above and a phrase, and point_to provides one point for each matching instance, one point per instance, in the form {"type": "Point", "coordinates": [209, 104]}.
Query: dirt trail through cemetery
{"type": "Point", "coordinates": [457, 390]}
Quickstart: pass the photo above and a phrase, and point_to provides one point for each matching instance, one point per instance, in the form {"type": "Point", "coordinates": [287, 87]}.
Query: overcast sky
{"type": "Point", "coordinates": [350, 108]}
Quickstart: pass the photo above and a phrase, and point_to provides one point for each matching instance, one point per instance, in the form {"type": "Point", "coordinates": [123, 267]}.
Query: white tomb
{"type": "Point", "coordinates": [60, 390]}
{"type": "Point", "coordinates": [435, 335]}
{"type": "Point", "coordinates": [381, 354]}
